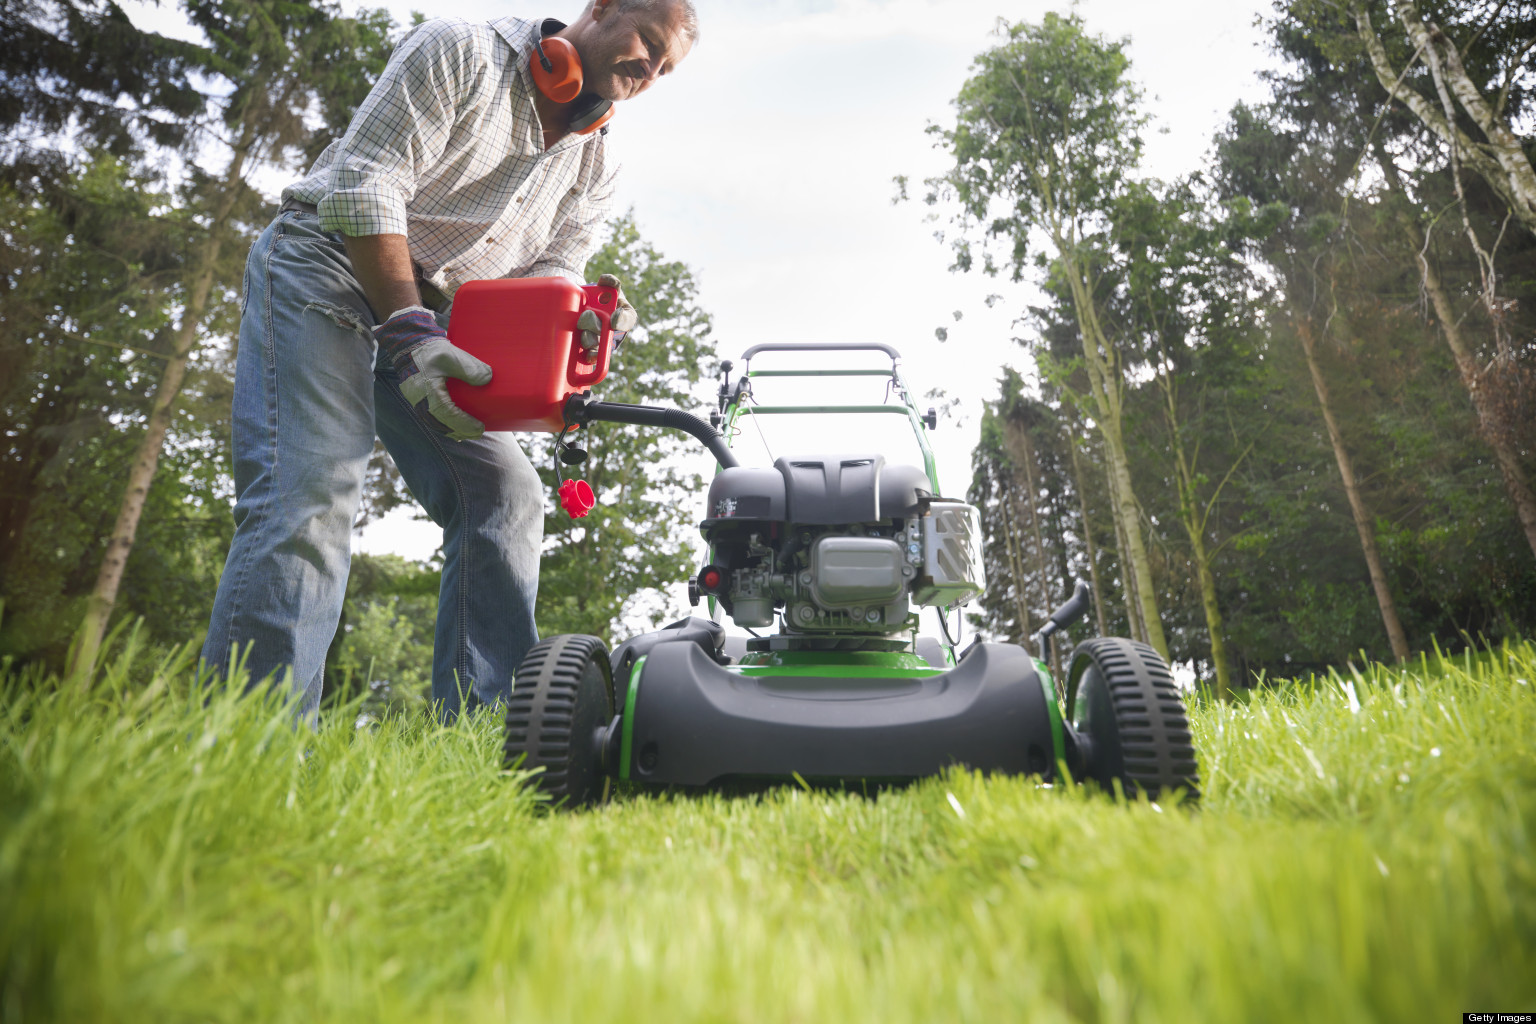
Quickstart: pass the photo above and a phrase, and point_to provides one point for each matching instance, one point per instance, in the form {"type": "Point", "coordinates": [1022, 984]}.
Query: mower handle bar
{"type": "Point", "coordinates": [822, 346]}
{"type": "Point", "coordinates": [582, 409]}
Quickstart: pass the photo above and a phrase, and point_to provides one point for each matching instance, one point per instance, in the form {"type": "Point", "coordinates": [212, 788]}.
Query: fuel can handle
{"type": "Point", "coordinates": [581, 373]}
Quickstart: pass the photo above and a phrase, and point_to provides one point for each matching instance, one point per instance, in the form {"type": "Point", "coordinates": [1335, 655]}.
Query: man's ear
{"type": "Point", "coordinates": [600, 9]}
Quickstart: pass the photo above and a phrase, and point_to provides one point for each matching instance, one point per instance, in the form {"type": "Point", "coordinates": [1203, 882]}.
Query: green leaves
{"type": "Point", "coordinates": [1046, 129]}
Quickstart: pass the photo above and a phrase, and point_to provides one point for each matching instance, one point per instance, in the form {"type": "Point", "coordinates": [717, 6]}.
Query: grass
{"type": "Point", "coordinates": [1364, 852]}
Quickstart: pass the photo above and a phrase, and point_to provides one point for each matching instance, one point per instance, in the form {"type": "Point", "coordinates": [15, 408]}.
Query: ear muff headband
{"type": "Point", "coordinates": [556, 69]}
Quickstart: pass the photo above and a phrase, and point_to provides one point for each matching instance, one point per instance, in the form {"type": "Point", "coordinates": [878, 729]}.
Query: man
{"type": "Point", "coordinates": [456, 167]}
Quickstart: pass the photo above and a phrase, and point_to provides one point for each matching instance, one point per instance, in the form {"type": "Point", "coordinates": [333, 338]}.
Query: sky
{"type": "Point", "coordinates": [765, 163]}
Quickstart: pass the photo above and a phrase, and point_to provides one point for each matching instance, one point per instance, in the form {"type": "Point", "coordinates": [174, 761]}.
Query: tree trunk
{"type": "Point", "coordinates": [1194, 525]}
{"type": "Point", "coordinates": [1015, 565]}
{"type": "Point", "coordinates": [1498, 434]}
{"type": "Point", "coordinates": [1104, 382]}
{"type": "Point", "coordinates": [1491, 424]}
{"type": "Point", "coordinates": [1213, 620]}
{"type": "Point", "coordinates": [1020, 453]}
{"type": "Point", "coordinates": [1046, 600]}
{"type": "Point", "coordinates": [146, 460]}
{"type": "Point", "coordinates": [1363, 522]}
{"type": "Point", "coordinates": [1093, 562]}
{"type": "Point", "coordinates": [1127, 580]}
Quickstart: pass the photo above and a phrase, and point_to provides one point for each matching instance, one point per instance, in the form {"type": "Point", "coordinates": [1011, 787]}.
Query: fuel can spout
{"type": "Point", "coordinates": [583, 409]}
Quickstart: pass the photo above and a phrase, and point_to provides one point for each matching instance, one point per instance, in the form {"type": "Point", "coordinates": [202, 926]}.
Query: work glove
{"type": "Point", "coordinates": [424, 358]}
{"type": "Point", "coordinates": [623, 319]}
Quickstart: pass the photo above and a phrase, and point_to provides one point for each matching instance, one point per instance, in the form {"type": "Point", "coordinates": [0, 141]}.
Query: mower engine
{"type": "Point", "coordinates": [840, 546]}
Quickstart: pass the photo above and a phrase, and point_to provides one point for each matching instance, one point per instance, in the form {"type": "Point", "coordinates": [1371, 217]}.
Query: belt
{"type": "Point", "coordinates": [431, 296]}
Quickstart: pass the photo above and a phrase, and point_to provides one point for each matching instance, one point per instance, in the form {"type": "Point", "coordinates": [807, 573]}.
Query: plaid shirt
{"type": "Point", "coordinates": [447, 150]}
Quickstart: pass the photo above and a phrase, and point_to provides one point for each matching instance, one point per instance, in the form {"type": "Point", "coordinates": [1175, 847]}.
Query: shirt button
{"type": "Point", "coordinates": [575, 191]}
{"type": "Point", "coordinates": [519, 198]}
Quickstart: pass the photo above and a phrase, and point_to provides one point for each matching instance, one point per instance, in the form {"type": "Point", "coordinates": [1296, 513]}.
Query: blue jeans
{"type": "Point", "coordinates": [308, 402]}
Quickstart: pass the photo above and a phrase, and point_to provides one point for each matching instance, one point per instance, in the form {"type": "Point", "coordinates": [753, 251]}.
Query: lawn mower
{"type": "Point", "coordinates": [836, 553]}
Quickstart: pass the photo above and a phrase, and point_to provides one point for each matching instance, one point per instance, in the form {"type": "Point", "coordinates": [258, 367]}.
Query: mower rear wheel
{"type": "Point", "coordinates": [558, 716]}
{"type": "Point", "coordinates": [1128, 720]}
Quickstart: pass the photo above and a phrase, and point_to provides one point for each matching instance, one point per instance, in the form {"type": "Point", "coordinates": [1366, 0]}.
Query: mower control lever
{"type": "Point", "coordinates": [1075, 608]}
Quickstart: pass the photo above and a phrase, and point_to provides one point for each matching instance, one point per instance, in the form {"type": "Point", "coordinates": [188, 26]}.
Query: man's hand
{"type": "Point", "coordinates": [424, 358]}
{"type": "Point", "coordinates": [623, 320]}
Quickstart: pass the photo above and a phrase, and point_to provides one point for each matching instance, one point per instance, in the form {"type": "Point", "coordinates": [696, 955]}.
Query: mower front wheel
{"type": "Point", "coordinates": [558, 718]}
{"type": "Point", "coordinates": [1128, 720]}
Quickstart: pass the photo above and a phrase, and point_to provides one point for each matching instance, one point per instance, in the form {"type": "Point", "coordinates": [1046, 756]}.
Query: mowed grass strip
{"type": "Point", "coordinates": [1364, 851]}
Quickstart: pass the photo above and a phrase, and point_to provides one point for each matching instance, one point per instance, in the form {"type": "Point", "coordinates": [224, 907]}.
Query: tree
{"type": "Point", "coordinates": [80, 69]}
{"type": "Point", "coordinates": [1452, 96]}
{"type": "Point", "coordinates": [1190, 300]}
{"type": "Point", "coordinates": [1451, 91]}
{"type": "Point", "coordinates": [611, 570]}
{"type": "Point", "coordinates": [88, 278]}
{"type": "Point", "coordinates": [282, 67]}
{"type": "Point", "coordinates": [1298, 178]}
{"type": "Point", "coordinates": [1034, 544]}
{"type": "Point", "coordinates": [1046, 136]}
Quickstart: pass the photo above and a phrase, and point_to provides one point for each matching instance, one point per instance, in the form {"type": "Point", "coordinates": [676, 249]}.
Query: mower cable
{"type": "Point", "coordinates": [943, 615]}
{"type": "Point", "coordinates": [760, 435]}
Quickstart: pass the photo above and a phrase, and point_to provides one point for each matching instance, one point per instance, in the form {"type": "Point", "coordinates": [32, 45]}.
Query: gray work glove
{"type": "Point", "coordinates": [623, 320]}
{"type": "Point", "coordinates": [424, 358]}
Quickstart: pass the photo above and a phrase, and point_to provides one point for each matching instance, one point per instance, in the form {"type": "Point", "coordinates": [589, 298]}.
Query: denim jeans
{"type": "Point", "coordinates": [309, 400]}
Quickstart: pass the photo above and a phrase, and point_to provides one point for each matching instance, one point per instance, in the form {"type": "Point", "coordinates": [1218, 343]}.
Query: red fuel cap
{"type": "Point", "coordinates": [576, 498]}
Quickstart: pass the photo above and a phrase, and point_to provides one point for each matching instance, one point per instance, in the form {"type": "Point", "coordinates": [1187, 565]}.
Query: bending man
{"type": "Point", "coordinates": [458, 166]}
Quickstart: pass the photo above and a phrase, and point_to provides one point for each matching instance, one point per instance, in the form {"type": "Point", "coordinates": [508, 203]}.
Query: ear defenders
{"type": "Point", "coordinates": [556, 69]}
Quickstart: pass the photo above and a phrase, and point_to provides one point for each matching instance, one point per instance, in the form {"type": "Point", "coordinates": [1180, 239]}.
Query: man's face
{"type": "Point", "coordinates": [622, 54]}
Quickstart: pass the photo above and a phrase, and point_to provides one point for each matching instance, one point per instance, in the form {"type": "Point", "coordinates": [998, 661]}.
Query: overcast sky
{"type": "Point", "coordinates": [765, 163]}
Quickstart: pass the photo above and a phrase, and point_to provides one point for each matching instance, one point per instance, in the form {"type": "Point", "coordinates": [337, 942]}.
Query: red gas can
{"type": "Point", "coordinates": [526, 329]}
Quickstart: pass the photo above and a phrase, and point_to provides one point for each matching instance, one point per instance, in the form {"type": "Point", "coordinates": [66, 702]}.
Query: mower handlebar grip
{"type": "Point", "coordinates": [1075, 608]}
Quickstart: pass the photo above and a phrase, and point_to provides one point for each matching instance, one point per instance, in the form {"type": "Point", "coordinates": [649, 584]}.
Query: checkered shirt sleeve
{"type": "Point", "coordinates": [400, 131]}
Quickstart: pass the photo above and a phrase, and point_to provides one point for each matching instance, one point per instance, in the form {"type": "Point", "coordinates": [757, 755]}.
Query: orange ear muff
{"type": "Point", "coordinates": [556, 69]}
{"type": "Point", "coordinates": [590, 114]}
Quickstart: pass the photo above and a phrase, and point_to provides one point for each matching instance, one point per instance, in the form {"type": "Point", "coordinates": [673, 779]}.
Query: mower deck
{"type": "Point", "coordinates": [690, 721]}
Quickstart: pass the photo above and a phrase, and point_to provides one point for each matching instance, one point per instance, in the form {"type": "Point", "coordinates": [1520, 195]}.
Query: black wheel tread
{"type": "Point", "coordinates": [1157, 747]}
{"type": "Point", "coordinates": [542, 710]}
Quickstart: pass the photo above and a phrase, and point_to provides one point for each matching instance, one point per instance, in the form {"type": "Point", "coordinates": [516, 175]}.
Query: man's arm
{"type": "Point", "coordinates": [382, 265]}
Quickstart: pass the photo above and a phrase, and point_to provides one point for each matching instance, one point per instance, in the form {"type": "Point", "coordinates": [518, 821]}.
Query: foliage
{"type": "Point", "coordinates": [1047, 129]}
{"type": "Point", "coordinates": [1024, 485]}
{"type": "Point", "coordinates": [1044, 144]}
{"type": "Point", "coordinates": [162, 849]}
{"type": "Point", "coordinates": [387, 627]}
{"type": "Point", "coordinates": [90, 289]}
{"type": "Point", "coordinates": [623, 566]}
{"type": "Point", "coordinates": [1213, 315]}
{"type": "Point", "coordinates": [122, 259]}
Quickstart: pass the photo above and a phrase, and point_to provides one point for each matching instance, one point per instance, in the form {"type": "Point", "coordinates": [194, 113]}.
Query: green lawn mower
{"type": "Point", "coordinates": [836, 553]}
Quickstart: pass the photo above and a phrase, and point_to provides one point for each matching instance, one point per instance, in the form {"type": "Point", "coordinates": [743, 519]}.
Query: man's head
{"type": "Point", "coordinates": [625, 45]}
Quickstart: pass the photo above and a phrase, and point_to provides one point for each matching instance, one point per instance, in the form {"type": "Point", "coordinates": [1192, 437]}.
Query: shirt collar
{"type": "Point", "coordinates": [518, 32]}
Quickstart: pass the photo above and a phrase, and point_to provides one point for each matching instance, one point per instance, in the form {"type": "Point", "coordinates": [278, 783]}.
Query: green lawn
{"type": "Point", "coordinates": [1364, 852]}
